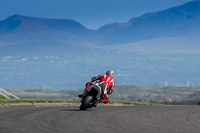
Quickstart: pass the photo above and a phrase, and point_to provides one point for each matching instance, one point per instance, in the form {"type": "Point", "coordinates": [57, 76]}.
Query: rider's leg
{"type": "Point", "coordinates": [105, 97]}
{"type": "Point", "coordinates": [105, 100]}
{"type": "Point", "coordinates": [86, 87]}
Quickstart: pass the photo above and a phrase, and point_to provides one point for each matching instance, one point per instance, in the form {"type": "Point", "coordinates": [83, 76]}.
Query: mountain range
{"type": "Point", "coordinates": [177, 21]}
{"type": "Point", "coordinates": [33, 32]}
{"type": "Point", "coordinates": [148, 50]}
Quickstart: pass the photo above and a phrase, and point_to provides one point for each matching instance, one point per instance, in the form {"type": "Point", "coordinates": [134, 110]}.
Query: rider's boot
{"type": "Point", "coordinates": [105, 100]}
{"type": "Point", "coordinates": [81, 95]}
{"type": "Point", "coordinates": [86, 88]}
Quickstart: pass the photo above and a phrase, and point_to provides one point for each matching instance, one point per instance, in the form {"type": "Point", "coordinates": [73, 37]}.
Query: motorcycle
{"type": "Point", "coordinates": [92, 96]}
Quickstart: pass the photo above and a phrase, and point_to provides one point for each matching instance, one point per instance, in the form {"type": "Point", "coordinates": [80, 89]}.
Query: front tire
{"type": "Point", "coordinates": [85, 103]}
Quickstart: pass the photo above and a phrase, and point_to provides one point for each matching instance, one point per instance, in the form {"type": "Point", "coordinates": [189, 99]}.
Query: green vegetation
{"type": "Point", "coordinates": [9, 101]}
{"type": "Point", "coordinates": [2, 97]}
{"type": "Point", "coordinates": [166, 95]}
{"type": "Point", "coordinates": [4, 101]}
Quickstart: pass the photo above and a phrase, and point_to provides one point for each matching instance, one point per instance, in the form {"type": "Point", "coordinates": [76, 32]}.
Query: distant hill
{"type": "Point", "coordinates": [27, 35]}
{"type": "Point", "coordinates": [182, 20]}
{"type": "Point", "coordinates": [177, 21]}
{"type": "Point", "coordinates": [121, 93]}
{"type": "Point", "coordinates": [19, 30]}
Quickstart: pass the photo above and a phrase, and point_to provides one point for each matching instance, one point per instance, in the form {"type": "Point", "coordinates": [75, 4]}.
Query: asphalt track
{"type": "Point", "coordinates": [108, 119]}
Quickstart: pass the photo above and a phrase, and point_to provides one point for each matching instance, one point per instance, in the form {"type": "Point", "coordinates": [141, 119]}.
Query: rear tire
{"type": "Point", "coordinates": [85, 102]}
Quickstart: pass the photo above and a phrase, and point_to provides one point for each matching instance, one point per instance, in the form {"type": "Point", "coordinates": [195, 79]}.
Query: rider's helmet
{"type": "Point", "coordinates": [110, 72]}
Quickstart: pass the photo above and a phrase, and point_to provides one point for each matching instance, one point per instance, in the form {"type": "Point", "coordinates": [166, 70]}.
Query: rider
{"type": "Point", "coordinates": [107, 79]}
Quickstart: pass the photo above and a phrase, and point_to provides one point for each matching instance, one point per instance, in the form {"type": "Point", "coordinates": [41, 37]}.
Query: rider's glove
{"type": "Point", "coordinates": [111, 91]}
{"type": "Point", "coordinates": [93, 79]}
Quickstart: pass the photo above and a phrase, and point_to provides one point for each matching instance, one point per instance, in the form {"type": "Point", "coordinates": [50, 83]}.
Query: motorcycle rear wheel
{"type": "Point", "coordinates": [85, 103]}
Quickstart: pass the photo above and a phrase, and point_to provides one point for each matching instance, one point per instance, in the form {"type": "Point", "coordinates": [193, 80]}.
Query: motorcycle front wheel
{"type": "Point", "coordinates": [85, 103]}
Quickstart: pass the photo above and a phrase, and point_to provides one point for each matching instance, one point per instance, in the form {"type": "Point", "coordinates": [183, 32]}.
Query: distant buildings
{"type": "Point", "coordinates": [178, 84]}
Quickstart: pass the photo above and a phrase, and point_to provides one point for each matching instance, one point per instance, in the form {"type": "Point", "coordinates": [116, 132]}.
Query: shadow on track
{"type": "Point", "coordinates": [76, 110]}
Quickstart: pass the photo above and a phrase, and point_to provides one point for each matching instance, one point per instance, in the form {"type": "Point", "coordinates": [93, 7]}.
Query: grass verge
{"type": "Point", "coordinates": [2, 97]}
{"type": "Point", "coordinates": [4, 101]}
{"type": "Point", "coordinates": [34, 101]}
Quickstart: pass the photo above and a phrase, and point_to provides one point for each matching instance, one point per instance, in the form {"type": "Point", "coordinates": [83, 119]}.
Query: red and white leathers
{"type": "Point", "coordinates": [108, 80]}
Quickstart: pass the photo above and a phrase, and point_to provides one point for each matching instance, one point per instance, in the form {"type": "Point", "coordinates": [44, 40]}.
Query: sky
{"type": "Point", "coordinates": [91, 13]}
